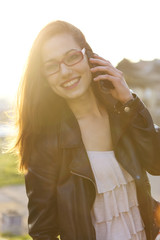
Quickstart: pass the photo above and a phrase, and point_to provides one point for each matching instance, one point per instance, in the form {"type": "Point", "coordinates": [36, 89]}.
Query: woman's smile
{"type": "Point", "coordinates": [72, 83]}
{"type": "Point", "coordinates": [69, 81]}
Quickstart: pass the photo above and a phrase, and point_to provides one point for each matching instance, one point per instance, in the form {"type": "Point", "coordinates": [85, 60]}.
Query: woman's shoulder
{"type": "Point", "coordinates": [45, 147]}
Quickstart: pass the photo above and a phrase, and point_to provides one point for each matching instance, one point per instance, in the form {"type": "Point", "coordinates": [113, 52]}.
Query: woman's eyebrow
{"type": "Point", "coordinates": [53, 59]}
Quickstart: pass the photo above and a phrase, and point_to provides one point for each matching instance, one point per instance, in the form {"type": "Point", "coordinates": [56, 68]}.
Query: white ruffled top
{"type": "Point", "coordinates": [115, 213]}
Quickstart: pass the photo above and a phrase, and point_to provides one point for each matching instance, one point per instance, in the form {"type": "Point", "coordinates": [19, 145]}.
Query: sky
{"type": "Point", "coordinates": [115, 29]}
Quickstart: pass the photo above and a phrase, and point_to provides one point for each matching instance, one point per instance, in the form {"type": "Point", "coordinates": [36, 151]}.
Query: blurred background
{"type": "Point", "coordinates": [124, 32]}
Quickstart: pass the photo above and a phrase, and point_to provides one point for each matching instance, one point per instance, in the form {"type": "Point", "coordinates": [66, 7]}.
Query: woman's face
{"type": "Point", "coordinates": [69, 82]}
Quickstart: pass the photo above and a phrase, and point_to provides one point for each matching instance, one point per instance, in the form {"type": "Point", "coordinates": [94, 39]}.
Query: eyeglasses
{"type": "Point", "coordinates": [70, 59]}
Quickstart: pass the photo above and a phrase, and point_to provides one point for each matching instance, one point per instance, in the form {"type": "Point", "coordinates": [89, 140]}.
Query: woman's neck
{"type": "Point", "coordinates": [84, 106]}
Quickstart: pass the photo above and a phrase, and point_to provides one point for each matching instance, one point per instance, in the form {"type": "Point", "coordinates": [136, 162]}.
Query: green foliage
{"type": "Point", "coordinates": [11, 237]}
{"type": "Point", "coordinates": [9, 171]}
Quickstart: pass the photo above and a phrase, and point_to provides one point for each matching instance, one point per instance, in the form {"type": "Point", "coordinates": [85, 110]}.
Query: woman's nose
{"type": "Point", "coordinates": [64, 69]}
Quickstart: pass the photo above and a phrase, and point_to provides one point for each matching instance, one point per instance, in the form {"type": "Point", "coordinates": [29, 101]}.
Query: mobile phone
{"type": "Point", "coordinates": [104, 84]}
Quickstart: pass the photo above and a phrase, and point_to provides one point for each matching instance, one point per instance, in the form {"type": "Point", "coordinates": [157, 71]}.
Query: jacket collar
{"type": "Point", "coordinates": [70, 137]}
{"type": "Point", "coordinates": [70, 134]}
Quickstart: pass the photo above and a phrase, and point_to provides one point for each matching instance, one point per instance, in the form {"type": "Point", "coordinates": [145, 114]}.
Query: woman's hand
{"type": "Point", "coordinates": [121, 91]}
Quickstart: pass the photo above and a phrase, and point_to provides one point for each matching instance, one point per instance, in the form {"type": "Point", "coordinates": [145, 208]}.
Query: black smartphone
{"type": "Point", "coordinates": [104, 84]}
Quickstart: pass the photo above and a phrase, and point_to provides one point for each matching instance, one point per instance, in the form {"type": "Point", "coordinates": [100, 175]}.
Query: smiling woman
{"type": "Point", "coordinates": [85, 147]}
{"type": "Point", "coordinates": [72, 70]}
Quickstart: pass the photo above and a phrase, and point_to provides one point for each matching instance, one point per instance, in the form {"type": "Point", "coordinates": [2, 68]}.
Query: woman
{"type": "Point", "coordinates": [85, 148]}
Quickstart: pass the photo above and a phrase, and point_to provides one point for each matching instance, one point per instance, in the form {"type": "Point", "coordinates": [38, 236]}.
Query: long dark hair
{"type": "Point", "coordinates": [38, 106]}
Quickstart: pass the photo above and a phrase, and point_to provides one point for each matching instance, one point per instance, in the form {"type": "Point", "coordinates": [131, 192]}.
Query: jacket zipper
{"type": "Point", "coordinates": [84, 177]}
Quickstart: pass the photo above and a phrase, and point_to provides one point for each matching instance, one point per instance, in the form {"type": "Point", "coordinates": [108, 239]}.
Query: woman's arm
{"type": "Point", "coordinates": [145, 135]}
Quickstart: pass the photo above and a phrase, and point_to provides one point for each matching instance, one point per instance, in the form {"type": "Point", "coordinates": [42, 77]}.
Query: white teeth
{"type": "Point", "coordinates": [70, 83]}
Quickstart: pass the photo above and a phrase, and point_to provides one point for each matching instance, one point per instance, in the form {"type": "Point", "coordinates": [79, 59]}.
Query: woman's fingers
{"type": "Point", "coordinates": [100, 61]}
{"type": "Point", "coordinates": [101, 58]}
{"type": "Point", "coordinates": [108, 72]}
{"type": "Point", "coordinates": [106, 69]}
{"type": "Point", "coordinates": [104, 66]}
{"type": "Point", "coordinates": [115, 80]}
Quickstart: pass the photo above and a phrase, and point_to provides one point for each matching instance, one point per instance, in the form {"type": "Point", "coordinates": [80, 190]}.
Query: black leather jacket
{"type": "Point", "coordinates": [60, 184]}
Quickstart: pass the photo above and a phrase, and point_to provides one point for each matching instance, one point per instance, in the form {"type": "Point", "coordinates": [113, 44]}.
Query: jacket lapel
{"type": "Point", "coordinates": [117, 127]}
{"type": "Point", "coordinates": [70, 138]}
{"type": "Point", "coordinates": [70, 135]}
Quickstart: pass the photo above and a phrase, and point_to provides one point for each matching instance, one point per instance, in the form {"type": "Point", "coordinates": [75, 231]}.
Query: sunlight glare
{"type": "Point", "coordinates": [114, 29]}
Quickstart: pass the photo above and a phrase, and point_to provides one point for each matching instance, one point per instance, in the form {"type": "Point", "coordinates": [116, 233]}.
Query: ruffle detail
{"type": "Point", "coordinates": [115, 213]}
{"type": "Point", "coordinates": [107, 172]}
{"type": "Point", "coordinates": [110, 204]}
{"type": "Point", "coordinates": [117, 230]}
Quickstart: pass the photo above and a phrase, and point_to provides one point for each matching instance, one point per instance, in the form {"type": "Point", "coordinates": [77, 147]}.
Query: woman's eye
{"type": "Point", "coordinates": [73, 58]}
{"type": "Point", "coordinates": [51, 67]}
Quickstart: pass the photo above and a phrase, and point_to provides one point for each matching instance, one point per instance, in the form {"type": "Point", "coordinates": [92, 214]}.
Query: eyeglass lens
{"type": "Point", "coordinates": [70, 59]}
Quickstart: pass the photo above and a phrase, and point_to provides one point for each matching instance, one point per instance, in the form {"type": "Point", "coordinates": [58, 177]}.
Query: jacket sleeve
{"type": "Point", "coordinates": [40, 182]}
{"type": "Point", "coordinates": [145, 135]}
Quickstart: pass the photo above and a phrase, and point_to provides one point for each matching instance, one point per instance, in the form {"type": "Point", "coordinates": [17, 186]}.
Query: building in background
{"type": "Point", "coordinates": [143, 77]}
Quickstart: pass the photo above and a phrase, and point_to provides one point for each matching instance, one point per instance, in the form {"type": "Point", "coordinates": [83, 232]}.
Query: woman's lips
{"type": "Point", "coordinates": [71, 83]}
